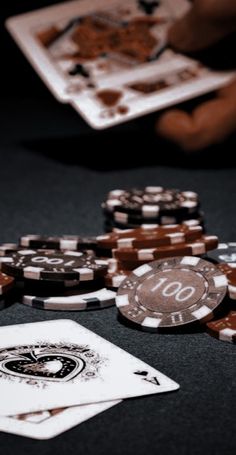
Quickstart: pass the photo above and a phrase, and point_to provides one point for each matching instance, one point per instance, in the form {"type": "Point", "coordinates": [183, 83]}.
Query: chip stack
{"type": "Point", "coordinates": [153, 205]}
{"type": "Point", "coordinates": [128, 249]}
{"type": "Point", "coordinates": [57, 280]}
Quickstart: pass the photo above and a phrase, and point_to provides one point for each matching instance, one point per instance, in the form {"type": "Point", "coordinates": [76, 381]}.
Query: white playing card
{"type": "Point", "coordinates": [127, 75]}
{"type": "Point", "coordinates": [46, 365]}
{"type": "Point", "coordinates": [48, 424]}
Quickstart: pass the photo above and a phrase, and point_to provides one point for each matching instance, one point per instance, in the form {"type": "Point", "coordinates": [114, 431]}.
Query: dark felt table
{"type": "Point", "coordinates": [54, 173]}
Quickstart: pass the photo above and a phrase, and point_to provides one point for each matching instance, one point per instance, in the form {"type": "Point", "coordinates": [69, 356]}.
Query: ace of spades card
{"type": "Point", "coordinates": [47, 365]}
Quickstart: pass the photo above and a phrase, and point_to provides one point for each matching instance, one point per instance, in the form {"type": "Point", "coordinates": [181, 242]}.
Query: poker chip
{"type": "Point", "coordinates": [230, 271]}
{"type": "Point", "coordinates": [110, 224]}
{"type": "Point", "coordinates": [151, 201]}
{"type": "Point", "coordinates": [225, 252]}
{"type": "Point", "coordinates": [171, 292]}
{"type": "Point", "coordinates": [224, 329]}
{"type": "Point", "coordinates": [146, 238]}
{"type": "Point", "coordinates": [6, 283]}
{"type": "Point", "coordinates": [196, 248]}
{"type": "Point", "coordinates": [8, 248]}
{"type": "Point", "coordinates": [66, 242]}
{"type": "Point", "coordinates": [163, 219]}
{"type": "Point", "coordinates": [102, 298]}
{"type": "Point", "coordinates": [51, 265]}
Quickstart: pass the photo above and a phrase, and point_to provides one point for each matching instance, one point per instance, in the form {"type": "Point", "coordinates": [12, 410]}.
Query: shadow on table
{"type": "Point", "coordinates": [116, 149]}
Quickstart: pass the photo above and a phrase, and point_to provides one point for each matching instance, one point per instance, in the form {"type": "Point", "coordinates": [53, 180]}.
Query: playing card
{"type": "Point", "coordinates": [46, 365]}
{"type": "Point", "coordinates": [109, 60]}
{"type": "Point", "coordinates": [48, 424]}
{"type": "Point", "coordinates": [51, 39]}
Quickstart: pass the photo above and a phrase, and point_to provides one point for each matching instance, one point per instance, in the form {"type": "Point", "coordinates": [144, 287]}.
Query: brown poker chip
{"type": "Point", "coordinates": [171, 292]}
{"type": "Point", "coordinates": [195, 248]}
{"type": "Point", "coordinates": [147, 238]}
{"type": "Point", "coordinates": [224, 329]}
{"type": "Point", "coordinates": [230, 272]}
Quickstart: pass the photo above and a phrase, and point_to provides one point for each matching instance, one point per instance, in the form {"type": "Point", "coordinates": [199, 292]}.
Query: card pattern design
{"type": "Point", "coordinates": [42, 363]}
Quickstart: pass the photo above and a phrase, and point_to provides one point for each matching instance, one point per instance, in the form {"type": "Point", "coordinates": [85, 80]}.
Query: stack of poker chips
{"type": "Point", "coordinates": [153, 205]}
{"type": "Point", "coordinates": [156, 276]}
{"type": "Point", "coordinates": [131, 248]}
{"type": "Point", "coordinates": [56, 279]}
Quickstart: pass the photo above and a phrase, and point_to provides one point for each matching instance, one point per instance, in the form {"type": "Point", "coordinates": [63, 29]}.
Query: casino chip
{"type": "Point", "coordinates": [197, 247]}
{"type": "Point", "coordinates": [66, 242]}
{"type": "Point", "coordinates": [51, 265]}
{"type": "Point", "coordinates": [147, 238]}
{"type": "Point", "coordinates": [225, 252]}
{"type": "Point", "coordinates": [152, 201]}
{"type": "Point", "coordinates": [171, 292]}
{"type": "Point", "coordinates": [127, 219]}
{"type": "Point", "coordinates": [76, 302]}
{"type": "Point", "coordinates": [230, 271]}
{"type": "Point", "coordinates": [109, 225]}
{"type": "Point", "coordinates": [6, 283]}
{"type": "Point", "coordinates": [225, 328]}
{"type": "Point", "coordinates": [8, 248]}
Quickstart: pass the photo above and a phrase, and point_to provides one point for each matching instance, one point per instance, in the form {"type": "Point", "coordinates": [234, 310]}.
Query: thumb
{"type": "Point", "coordinates": [210, 123]}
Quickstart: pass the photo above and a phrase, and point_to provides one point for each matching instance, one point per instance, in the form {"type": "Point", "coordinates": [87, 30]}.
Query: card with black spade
{"type": "Point", "coordinates": [52, 364]}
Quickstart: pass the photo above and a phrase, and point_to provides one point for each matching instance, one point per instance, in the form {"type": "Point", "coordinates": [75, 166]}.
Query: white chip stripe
{"type": "Point", "coordinates": [227, 334]}
{"type": "Point", "coordinates": [66, 244]}
{"type": "Point", "coordinates": [150, 211]}
{"type": "Point", "coordinates": [146, 254]}
{"type": "Point", "coordinates": [121, 217]}
{"type": "Point", "coordinates": [116, 280]}
{"type": "Point", "coordinates": [176, 237]}
{"type": "Point", "coordinates": [25, 241]}
{"type": "Point", "coordinates": [197, 248]}
{"type": "Point", "coordinates": [189, 204]}
{"type": "Point", "coordinates": [190, 260]}
{"type": "Point", "coordinates": [32, 272]}
{"type": "Point", "coordinates": [125, 242]}
{"type": "Point", "coordinates": [154, 189]}
{"type": "Point", "coordinates": [232, 291]}
{"type": "Point", "coordinates": [86, 274]}
{"type": "Point", "coordinates": [122, 300]}
{"type": "Point", "coordinates": [220, 281]}
{"type": "Point", "coordinates": [140, 271]}
{"type": "Point", "coordinates": [151, 322]}
{"type": "Point", "coordinates": [202, 312]}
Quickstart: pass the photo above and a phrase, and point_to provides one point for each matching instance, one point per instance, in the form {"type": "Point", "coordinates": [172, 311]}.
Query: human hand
{"type": "Point", "coordinates": [211, 122]}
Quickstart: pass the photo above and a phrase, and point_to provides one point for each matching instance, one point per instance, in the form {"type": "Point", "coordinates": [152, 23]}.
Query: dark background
{"type": "Point", "coordinates": [54, 173]}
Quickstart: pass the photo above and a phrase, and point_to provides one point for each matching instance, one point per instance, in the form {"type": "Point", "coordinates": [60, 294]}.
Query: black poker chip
{"type": "Point", "coordinates": [63, 243]}
{"type": "Point", "coordinates": [225, 253]}
{"type": "Point", "coordinates": [152, 202]}
{"type": "Point", "coordinates": [53, 265]}
{"type": "Point", "coordinates": [171, 292]}
{"type": "Point", "coordinates": [128, 219]}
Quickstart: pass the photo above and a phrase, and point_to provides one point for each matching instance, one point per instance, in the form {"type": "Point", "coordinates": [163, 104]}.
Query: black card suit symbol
{"type": "Point", "coordinates": [49, 366]}
{"type": "Point", "coordinates": [141, 373]}
{"type": "Point", "coordinates": [148, 6]}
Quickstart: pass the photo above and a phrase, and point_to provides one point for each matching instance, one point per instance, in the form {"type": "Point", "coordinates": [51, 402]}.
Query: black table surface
{"type": "Point", "coordinates": [54, 173]}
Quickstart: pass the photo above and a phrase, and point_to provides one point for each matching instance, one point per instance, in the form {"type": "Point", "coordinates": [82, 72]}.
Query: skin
{"type": "Point", "coordinates": [206, 23]}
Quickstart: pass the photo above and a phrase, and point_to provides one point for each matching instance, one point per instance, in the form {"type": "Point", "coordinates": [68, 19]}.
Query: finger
{"type": "Point", "coordinates": [209, 123]}
{"type": "Point", "coordinates": [204, 25]}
